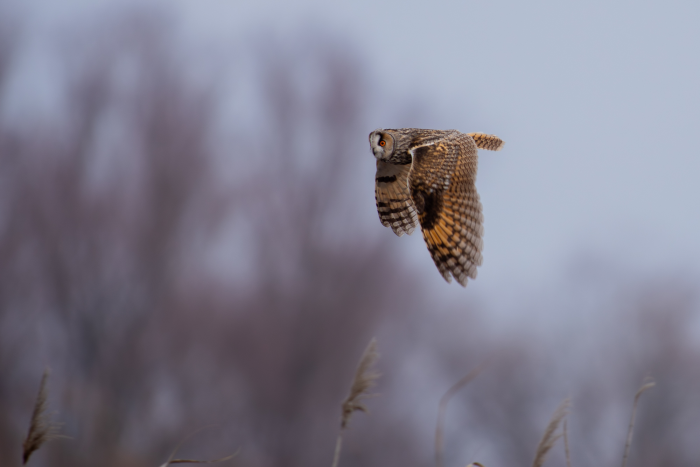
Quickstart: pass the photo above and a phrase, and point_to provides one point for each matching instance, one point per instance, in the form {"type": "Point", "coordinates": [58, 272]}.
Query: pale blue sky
{"type": "Point", "coordinates": [598, 102]}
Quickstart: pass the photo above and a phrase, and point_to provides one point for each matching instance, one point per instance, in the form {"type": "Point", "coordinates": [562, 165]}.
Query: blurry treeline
{"type": "Point", "coordinates": [175, 276]}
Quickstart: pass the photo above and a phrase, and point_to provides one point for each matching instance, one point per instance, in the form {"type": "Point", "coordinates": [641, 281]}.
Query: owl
{"type": "Point", "coordinates": [427, 177]}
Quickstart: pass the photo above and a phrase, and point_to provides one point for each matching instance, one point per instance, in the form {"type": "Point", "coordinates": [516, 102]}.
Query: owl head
{"type": "Point", "coordinates": [392, 145]}
{"type": "Point", "coordinates": [382, 143]}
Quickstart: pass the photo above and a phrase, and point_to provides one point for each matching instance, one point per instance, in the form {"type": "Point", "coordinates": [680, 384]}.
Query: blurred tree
{"type": "Point", "coordinates": [108, 222]}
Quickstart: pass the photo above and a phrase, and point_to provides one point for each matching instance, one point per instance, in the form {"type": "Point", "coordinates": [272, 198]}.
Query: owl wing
{"type": "Point", "coordinates": [442, 187]}
{"type": "Point", "coordinates": [484, 141]}
{"type": "Point", "coordinates": [394, 203]}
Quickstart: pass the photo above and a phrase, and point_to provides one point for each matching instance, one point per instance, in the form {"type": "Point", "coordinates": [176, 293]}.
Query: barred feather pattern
{"type": "Point", "coordinates": [428, 177]}
{"type": "Point", "coordinates": [484, 141]}
{"type": "Point", "coordinates": [455, 239]}
{"type": "Point", "coordinates": [394, 203]}
{"type": "Point", "coordinates": [449, 210]}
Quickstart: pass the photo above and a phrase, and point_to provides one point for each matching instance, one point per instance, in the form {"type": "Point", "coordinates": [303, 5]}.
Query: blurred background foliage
{"type": "Point", "coordinates": [184, 247]}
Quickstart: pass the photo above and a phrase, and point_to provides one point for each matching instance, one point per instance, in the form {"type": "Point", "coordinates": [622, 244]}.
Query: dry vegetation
{"type": "Point", "coordinates": [173, 277]}
{"type": "Point", "coordinates": [41, 428]}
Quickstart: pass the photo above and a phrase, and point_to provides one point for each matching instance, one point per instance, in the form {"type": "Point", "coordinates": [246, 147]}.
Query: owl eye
{"type": "Point", "coordinates": [382, 143]}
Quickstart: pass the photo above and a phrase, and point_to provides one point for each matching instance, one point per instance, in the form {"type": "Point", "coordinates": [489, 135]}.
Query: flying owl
{"type": "Point", "coordinates": [427, 177]}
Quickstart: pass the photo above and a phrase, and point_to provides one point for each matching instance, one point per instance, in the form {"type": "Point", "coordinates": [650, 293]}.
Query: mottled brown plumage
{"type": "Point", "coordinates": [428, 176]}
{"type": "Point", "coordinates": [394, 204]}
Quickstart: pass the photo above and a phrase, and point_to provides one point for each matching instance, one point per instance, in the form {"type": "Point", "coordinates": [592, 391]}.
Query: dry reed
{"type": "Point", "coordinates": [172, 460]}
{"type": "Point", "coordinates": [647, 384]}
{"type": "Point", "coordinates": [550, 437]}
{"type": "Point", "coordinates": [439, 428]}
{"type": "Point", "coordinates": [365, 379]}
{"type": "Point", "coordinates": [566, 444]}
{"type": "Point", "coordinates": [41, 428]}
{"type": "Point", "coordinates": [195, 461]}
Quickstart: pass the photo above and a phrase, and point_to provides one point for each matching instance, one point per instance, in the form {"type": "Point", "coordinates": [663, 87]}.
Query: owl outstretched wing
{"type": "Point", "coordinates": [394, 203]}
{"type": "Point", "coordinates": [441, 183]}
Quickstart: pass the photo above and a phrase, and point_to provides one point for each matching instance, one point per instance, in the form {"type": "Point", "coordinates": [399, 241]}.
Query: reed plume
{"type": "Point", "coordinates": [365, 379]}
{"type": "Point", "coordinates": [648, 383]}
{"type": "Point", "coordinates": [41, 428]}
{"type": "Point", "coordinates": [442, 408]}
{"type": "Point", "coordinates": [550, 436]}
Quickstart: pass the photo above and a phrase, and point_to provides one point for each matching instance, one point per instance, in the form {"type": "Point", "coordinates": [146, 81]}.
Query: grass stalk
{"type": "Point", "coordinates": [648, 384]}
{"type": "Point", "coordinates": [364, 380]}
{"type": "Point", "coordinates": [442, 408]}
{"type": "Point", "coordinates": [550, 436]}
{"type": "Point", "coordinates": [566, 444]}
{"type": "Point", "coordinates": [41, 428]}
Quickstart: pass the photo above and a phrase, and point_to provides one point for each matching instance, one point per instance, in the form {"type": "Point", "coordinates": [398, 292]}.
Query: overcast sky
{"type": "Point", "coordinates": [598, 102]}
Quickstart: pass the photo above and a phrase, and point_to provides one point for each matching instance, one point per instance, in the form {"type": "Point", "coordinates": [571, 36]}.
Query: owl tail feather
{"type": "Point", "coordinates": [490, 142]}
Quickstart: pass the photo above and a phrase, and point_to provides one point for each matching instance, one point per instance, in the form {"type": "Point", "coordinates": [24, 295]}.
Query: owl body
{"type": "Point", "coordinates": [427, 178]}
